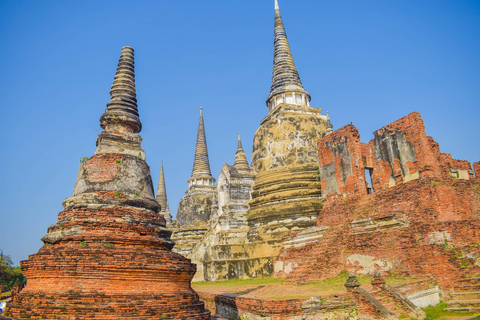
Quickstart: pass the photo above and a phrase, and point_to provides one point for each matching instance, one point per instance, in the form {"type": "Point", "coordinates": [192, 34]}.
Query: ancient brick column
{"type": "Point", "coordinates": [109, 254]}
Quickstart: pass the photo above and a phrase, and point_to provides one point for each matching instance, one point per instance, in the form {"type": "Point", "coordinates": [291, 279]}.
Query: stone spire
{"type": "Point", "coordinates": [329, 125]}
{"type": "Point", "coordinates": [162, 197]}
{"type": "Point", "coordinates": [201, 165]}
{"type": "Point", "coordinates": [120, 120]}
{"type": "Point", "coordinates": [241, 161]}
{"type": "Point", "coordinates": [121, 114]}
{"type": "Point", "coordinates": [286, 85]}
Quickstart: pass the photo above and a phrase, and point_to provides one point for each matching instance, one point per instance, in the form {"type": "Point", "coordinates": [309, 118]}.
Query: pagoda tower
{"type": "Point", "coordinates": [162, 197]}
{"type": "Point", "coordinates": [109, 254]}
{"type": "Point", "coordinates": [199, 201]}
{"type": "Point", "coordinates": [286, 196]}
{"type": "Point", "coordinates": [221, 255]}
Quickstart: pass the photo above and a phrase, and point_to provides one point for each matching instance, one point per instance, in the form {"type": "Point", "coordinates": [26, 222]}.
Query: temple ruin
{"type": "Point", "coordinates": [284, 195]}
{"type": "Point", "coordinates": [199, 202]}
{"type": "Point", "coordinates": [109, 255]}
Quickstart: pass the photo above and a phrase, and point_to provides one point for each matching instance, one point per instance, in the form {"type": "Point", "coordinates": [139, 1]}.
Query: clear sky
{"type": "Point", "coordinates": [367, 62]}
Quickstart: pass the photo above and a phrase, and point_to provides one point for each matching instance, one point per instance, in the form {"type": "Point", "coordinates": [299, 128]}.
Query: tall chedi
{"type": "Point", "coordinates": [162, 197]}
{"type": "Point", "coordinates": [286, 196]}
{"type": "Point", "coordinates": [196, 207]}
{"type": "Point", "coordinates": [220, 255]}
{"type": "Point", "coordinates": [109, 254]}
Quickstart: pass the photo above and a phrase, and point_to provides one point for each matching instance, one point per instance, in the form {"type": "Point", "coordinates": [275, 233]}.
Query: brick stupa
{"type": "Point", "coordinates": [109, 254]}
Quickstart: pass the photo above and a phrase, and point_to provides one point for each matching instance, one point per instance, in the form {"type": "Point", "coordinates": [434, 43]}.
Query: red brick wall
{"type": "Point", "coordinates": [400, 151]}
{"type": "Point", "coordinates": [339, 152]}
{"type": "Point", "coordinates": [230, 305]}
{"type": "Point", "coordinates": [423, 209]}
{"type": "Point", "coordinates": [476, 168]}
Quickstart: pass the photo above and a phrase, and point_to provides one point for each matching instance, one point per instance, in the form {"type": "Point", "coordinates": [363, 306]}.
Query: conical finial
{"type": "Point", "coordinates": [329, 125]}
{"type": "Point", "coordinates": [201, 164]}
{"type": "Point", "coordinates": [241, 161]}
{"type": "Point", "coordinates": [162, 196]}
{"type": "Point", "coordinates": [161, 189]}
{"type": "Point", "coordinates": [121, 114]}
{"type": "Point", "coordinates": [285, 78]}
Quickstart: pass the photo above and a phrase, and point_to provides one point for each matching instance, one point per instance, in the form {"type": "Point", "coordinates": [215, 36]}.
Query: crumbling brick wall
{"type": "Point", "coordinates": [341, 169]}
{"type": "Point", "coordinates": [400, 152]}
{"type": "Point", "coordinates": [476, 169]}
{"type": "Point", "coordinates": [422, 218]}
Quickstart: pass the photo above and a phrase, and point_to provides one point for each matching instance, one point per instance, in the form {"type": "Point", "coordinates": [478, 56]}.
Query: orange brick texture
{"type": "Point", "coordinates": [235, 306]}
{"type": "Point", "coordinates": [110, 258]}
{"type": "Point", "coordinates": [426, 226]}
{"type": "Point", "coordinates": [476, 168]}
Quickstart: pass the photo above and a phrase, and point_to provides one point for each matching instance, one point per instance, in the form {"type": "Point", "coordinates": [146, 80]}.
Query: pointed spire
{"type": "Point", "coordinates": [121, 114]}
{"type": "Point", "coordinates": [201, 164]}
{"type": "Point", "coordinates": [162, 196]}
{"type": "Point", "coordinates": [329, 125]}
{"type": "Point", "coordinates": [285, 78]}
{"type": "Point", "coordinates": [241, 161]}
{"type": "Point", "coordinates": [161, 190]}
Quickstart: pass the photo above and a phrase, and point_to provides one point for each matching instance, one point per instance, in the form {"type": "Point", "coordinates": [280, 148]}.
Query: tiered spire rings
{"type": "Point", "coordinates": [241, 161]}
{"type": "Point", "coordinates": [201, 174]}
{"type": "Point", "coordinates": [286, 85]}
{"type": "Point", "coordinates": [121, 114]}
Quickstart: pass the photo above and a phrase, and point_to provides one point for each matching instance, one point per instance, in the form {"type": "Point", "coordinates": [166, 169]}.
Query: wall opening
{"type": "Point", "coordinates": [368, 180]}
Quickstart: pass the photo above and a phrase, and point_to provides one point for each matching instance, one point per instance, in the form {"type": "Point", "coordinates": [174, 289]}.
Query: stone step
{"type": "Point", "coordinates": [470, 281]}
{"type": "Point", "coordinates": [473, 303]}
{"type": "Point", "coordinates": [422, 284]}
{"type": "Point", "coordinates": [463, 309]}
{"type": "Point", "coordinates": [467, 288]}
{"type": "Point", "coordinates": [465, 295]}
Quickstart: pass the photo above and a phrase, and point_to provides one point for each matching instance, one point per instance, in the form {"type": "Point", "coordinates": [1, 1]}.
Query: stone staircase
{"type": "Point", "coordinates": [466, 296]}
{"type": "Point", "coordinates": [391, 303]}
{"type": "Point", "coordinates": [383, 302]}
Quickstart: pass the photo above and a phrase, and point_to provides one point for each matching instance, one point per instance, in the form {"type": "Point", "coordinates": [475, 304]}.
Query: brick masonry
{"type": "Point", "coordinates": [422, 218]}
{"type": "Point", "coordinates": [108, 256]}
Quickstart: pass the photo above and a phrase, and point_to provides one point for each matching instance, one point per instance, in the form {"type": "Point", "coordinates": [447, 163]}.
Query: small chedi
{"type": "Point", "coordinates": [227, 228]}
{"type": "Point", "coordinates": [162, 198]}
{"type": "Point", "coordinates": [419, 216]}
{"type": "Point", "coordinates": [109, 254]}
{"type": "Point", "coordinates": [196, 207]}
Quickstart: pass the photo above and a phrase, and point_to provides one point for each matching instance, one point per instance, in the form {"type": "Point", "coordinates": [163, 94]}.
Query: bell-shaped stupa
{"type": "Point", "coordinates": [109, 254]}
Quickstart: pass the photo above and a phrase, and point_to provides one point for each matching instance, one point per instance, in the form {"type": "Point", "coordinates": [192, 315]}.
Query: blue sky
{"type": "Point", "coordinates": [367, 62]}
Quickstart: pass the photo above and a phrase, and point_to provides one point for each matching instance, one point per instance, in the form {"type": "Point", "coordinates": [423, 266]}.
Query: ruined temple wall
{"type": "Point", "coordinates": [404, 152]}
{"type": "Point", "coordinates": [476, 168]}
{"type": "Point", "coordinates": [422, 218]}
{"type": "Point", "coordinates": [423, 227]}
{"type": "Point", "coordinates": [340, 162]}
{"type": "Point", "coordinates": [400, 152]}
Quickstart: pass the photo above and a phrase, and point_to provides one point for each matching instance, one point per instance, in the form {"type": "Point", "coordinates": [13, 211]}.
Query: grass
{"type": "Point", "coordinates": [274, 288]}
{"type": "Point", "coordinates": [438, 312]}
